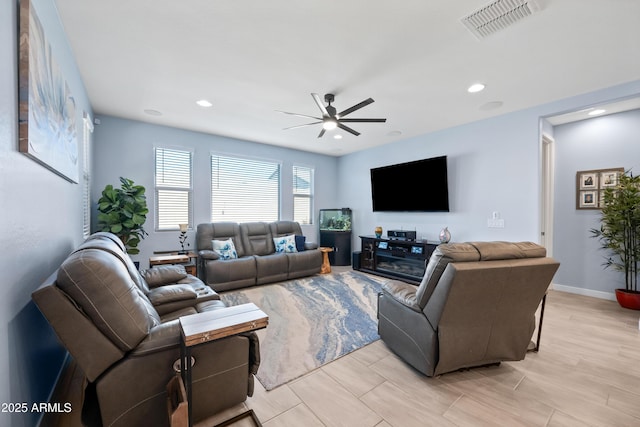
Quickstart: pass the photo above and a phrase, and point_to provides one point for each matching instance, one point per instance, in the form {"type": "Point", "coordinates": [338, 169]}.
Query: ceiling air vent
{"type": "Point", "coordinates": [498, 15]}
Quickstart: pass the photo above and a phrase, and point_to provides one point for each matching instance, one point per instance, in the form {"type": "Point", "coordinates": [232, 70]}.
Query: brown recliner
{"type": "Point", "coordinates": [128, 352]}
{"type": "Point", "coordinates": [475, 306]}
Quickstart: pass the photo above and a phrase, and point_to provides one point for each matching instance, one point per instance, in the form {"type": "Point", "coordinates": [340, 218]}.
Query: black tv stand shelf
{"type": "Point", "coordinates": [405, 260]}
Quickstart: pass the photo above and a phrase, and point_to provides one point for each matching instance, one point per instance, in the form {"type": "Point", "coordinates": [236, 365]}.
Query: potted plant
{"type": "Point", "coordinates": [123, 212]}
{"type": "Point", "coordinates": [619, 234]}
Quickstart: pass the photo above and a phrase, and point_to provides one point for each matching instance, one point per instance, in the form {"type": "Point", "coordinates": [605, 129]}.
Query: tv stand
{"type": "Point", "coordinates": [405, 260]}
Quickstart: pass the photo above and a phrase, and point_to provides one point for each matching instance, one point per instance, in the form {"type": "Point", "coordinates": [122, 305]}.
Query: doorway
{"type": "Point", "coordinates": [546, 205]}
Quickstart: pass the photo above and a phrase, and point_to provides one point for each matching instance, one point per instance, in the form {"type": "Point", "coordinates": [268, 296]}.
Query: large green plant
{"type": "Point", "coordinates": [123, 212]}
{"type": "Point", "coordinates": [619, 232]}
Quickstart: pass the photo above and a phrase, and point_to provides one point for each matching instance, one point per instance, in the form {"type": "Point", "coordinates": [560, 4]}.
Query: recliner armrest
{"type": "Point", "coordinates": [310, 246]}
{"type": "Point", "coordinates": [402, 292]}
{"type": "Point", "coordinates": [208, 255]}
{"type": "Point", "coordinates": [171, 293]}
{"type": "Point", "coordinates": [161, 337]}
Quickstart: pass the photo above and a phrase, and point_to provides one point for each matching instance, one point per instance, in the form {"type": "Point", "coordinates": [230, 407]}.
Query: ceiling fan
{"type": "Point", "coordinates": [330, 119]}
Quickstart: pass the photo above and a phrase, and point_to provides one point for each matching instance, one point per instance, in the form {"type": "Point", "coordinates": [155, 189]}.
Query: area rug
{"type": "Point", "coordinates": [312, 321]}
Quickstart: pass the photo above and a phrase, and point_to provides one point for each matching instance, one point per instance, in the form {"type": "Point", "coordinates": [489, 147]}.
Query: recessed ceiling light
{"type": "Point", "coordinates": [204, 103]}
{"type": "Point", "coordinates": [477, 87]}
{"type": "Point", "coordinates": [394, 133]}
{"type": "Point", "coordinates": [337, 136]}
{"type": "Point", "coordinates": [596, 112]}
{"type": "Point", "coordinates": [153, 112]}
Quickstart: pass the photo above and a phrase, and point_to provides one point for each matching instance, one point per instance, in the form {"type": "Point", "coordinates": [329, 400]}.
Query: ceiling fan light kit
{"type": "Point", "coordinates": [331, 119]}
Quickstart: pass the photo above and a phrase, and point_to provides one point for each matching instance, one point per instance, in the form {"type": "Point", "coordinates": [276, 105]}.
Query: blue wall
{"type": "Point", "coordinates": [494, 166]}
{"type": "Point", "coordinates": [41, 220]}
{"type": "Point", "coordinates": [598, 143]}
{"type": "Point", "coordinates": [125, 148]}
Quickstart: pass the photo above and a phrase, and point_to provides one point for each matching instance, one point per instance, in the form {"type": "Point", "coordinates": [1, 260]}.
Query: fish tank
{"type": "Point", "coordinates": [335, 219]}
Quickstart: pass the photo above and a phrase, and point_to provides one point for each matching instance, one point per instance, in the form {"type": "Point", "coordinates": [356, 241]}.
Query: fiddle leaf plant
{"type": "Point", "coordinates": [123, 212]}
{"type": "Point", "coordinates": [619, 232]}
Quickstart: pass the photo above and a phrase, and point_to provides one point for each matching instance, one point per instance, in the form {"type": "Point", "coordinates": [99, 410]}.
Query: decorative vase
{"type": "Point", "coordinates": [378, 232]}
{"type": "Point", "coordinates": [628, 299]}
{"type": "Point", "coordinates": [445, 235]}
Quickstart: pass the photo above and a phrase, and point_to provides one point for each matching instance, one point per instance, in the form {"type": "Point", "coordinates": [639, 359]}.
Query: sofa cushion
{"type": "Point", "coordinates": [102, 287]}
{"type": "Point", "coordinates": [440, 258]}
{"type": "Point", "coordinates": [164, 275]}
{"type": "Point", "coordinates": [111, 243]}
{"type": "Point", "coordinates": [257, 238]}
{"type": "Point", "coordinates": [283, 228]}
{"type": "Point", "coordinates": [219, 231]}
{"type": "Point", "coordinates": [304, 263]}
{"type": "Point", "coordinates": [509, 250]}
{"type": "Point", "coordinates": [171, 293]}
{"type": "Point", "coordinates": [271, 268]}
{"type": "Point", "coordinates": [225, 249]}
{"type": "Point", "coordinates": [223, 275]}
{"type": "Point", "coordinates": [285, 244]}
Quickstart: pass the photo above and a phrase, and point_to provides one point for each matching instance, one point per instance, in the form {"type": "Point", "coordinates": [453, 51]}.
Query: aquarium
{"type": "Point", "coordinates": [335, 219]}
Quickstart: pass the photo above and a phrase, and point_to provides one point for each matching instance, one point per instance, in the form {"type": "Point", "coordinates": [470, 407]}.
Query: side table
{"type": "Point", "coordinates": [184, 259]}
{"type": "Point", "coordinates": [203, 327]}
{"type": "Point", "coordinates": [326, 266]}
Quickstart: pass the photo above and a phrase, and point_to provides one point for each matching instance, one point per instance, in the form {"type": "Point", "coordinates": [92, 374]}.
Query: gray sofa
{"type": "Point", "coordinates": [475, 306]}
{"type": "Point", "coordinates": [122, 329]}
{"type": "Point", "coordinates": [256, 260]}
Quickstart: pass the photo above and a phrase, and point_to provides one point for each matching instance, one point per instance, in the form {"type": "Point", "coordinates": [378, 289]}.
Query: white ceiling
{"type": "Point", "coordinates": [413, 57]}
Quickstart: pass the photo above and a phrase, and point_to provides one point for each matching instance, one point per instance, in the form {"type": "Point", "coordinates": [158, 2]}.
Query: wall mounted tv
{"type": "Point", "coordinates": [418, 186]}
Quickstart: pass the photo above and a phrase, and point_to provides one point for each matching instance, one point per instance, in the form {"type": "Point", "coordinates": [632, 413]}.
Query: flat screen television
{"type": "Point", "coordinates": [418, 186]}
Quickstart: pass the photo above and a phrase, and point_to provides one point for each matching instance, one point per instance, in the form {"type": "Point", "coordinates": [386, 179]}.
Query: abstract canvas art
{"type": "Point", "coordinates": [47, 110]}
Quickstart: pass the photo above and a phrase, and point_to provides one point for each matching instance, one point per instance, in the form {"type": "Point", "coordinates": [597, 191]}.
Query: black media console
{"type": "Point", "coordinates": [395, 258]}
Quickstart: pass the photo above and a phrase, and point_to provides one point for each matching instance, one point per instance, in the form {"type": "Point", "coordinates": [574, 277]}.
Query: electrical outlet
{"type": "Point", "coordinates": [495, 223]}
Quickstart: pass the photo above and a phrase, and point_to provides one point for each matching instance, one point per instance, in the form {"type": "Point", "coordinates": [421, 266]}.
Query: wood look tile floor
{"type": "Point", "coordinates": [587, 373]}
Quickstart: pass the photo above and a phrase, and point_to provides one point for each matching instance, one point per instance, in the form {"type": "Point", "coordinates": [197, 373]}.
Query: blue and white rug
{"type": "Point", "coordinates": [312, 321]}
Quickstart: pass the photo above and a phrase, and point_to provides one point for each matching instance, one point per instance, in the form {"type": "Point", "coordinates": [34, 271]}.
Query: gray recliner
{"type": "Point", "coordinates": [475, 306]}
{"type": "Point", "coordinates": [127, 350]}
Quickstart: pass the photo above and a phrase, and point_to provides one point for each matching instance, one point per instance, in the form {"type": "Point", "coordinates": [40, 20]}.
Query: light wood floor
{"type": "Point", "coordinates": [587, 373]}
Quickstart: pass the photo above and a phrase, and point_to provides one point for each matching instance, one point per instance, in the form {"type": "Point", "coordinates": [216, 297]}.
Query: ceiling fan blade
{"type": "Point", "coordinates": [363, 120]}
{"type": "Point", "coordinates": [301, 126]}
{"type": "Point", "coordinates": [316, 98]}
{"type": "Point", "coordinates": [321, 133]}
{"type": "Point", "coordinates": [348, 129]}
{"type": "Point", "coordinates": [299, 115]}
{"type": "Point", "coordinates": [355, 107]}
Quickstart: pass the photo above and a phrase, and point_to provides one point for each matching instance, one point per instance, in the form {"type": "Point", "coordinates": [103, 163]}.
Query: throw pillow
{"type": "Point", "coordinates": [300, 240]}
{"type": "Point", "coordinates": [285, 243]}
{"type": "Point", "coordinates": [225, 248]}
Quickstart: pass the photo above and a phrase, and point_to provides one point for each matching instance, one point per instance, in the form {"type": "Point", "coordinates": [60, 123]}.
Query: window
{"type": "Point", "coordinates": [303, 194]}
{"type": "Point", "coordinates": [86, 175]}
{"type": "Point", "coordinates": [244, 189]}
{"type": "Point", "coordinates": [173, 188]}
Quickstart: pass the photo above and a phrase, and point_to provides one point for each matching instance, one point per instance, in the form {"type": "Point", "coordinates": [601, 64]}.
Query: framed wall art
{"type": "Point", "coordinates": [590, 186]}
{"type": "Point", "coordinates": [47, 109]}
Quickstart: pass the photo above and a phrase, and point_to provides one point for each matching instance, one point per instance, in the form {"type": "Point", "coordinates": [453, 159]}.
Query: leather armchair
{"type": "Point", "coordinates": [128, 351]}
{"type": "Point", "coordinates": [475, 306]}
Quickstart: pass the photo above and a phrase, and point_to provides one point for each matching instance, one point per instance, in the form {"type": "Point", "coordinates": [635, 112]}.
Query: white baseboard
{"type": "Point", "coordinates": [582, 291]}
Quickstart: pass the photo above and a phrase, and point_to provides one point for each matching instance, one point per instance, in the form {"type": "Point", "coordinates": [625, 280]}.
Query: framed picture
{"type": "Point", "coordinates": [588, 181]}
{"type": "Point", "coordinates": [588, 199]}
{"type": "Point", "coordinates": [609, 179]}
{"type": "Point", "coordinates": [47, 109]}
{"type": "Point", "coordinates": [590, 186]}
